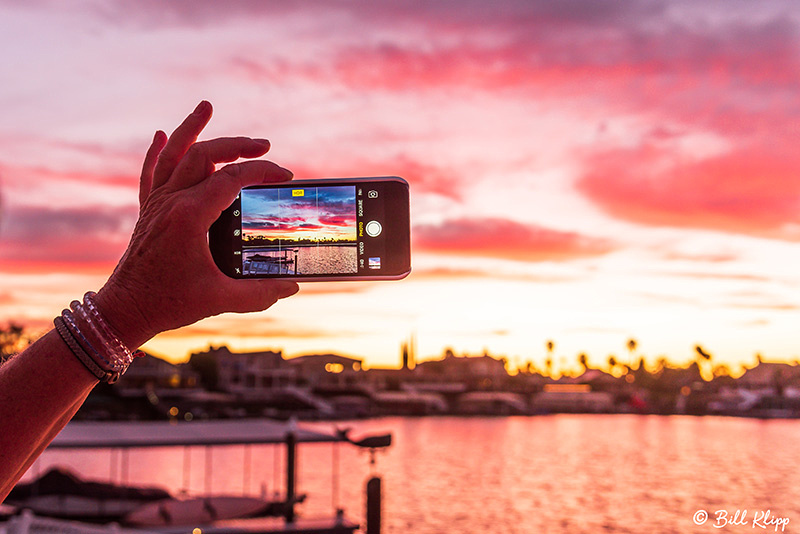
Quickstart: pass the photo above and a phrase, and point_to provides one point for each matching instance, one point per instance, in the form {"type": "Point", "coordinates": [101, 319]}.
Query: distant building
{"type": "Point", "coordinates": [491, 403]}
{"type": "Point", "coordinates": [477, 372]}
{"type": "Point", "coordinates": [243, 372]}
{"type": "Point", "coordinates": [153, 372]}
{"type": "Point", "coordinates": [571, 398]}
{"type": "Point", "coordinates": [768, 376]}
{"type": "Point", "coordinates": [409, 403]}
{"type": "Point", "coordinates": [326, 370]}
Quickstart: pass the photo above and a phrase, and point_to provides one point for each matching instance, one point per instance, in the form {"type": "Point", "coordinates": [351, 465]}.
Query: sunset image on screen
{"type": "Point", "coordinates": [299, 231]}
{"type": "Point", "coordinates": [311, 215]}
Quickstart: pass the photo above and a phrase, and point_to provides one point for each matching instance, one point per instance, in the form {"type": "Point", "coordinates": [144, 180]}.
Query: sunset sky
{"type": "Point", "coordinates": [584, 172]}
{"type": "Point", "coordinates": [300, 213]}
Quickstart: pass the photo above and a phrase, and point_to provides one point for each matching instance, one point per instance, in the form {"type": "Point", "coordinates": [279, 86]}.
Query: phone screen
{"type": "Point", "coordinates": [318, 230]}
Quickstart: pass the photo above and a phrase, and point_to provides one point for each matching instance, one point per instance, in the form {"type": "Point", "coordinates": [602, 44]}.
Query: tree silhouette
{"type": "Point", "coordinates": [549, 361]}
{"type": "Point", "coordinates": [703, 360]}
{"type": "Point", "coordinates": [702, 353]}
{"type": "Point", "coordinates": [13, 339]}
{"type": "Point", "coordinates": [632, 344]}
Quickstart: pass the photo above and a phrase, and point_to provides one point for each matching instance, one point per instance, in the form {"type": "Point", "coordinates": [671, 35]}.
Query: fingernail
{"type": "Point", "coordinates": [289, 174]}
{"type": "Point", "coordinates": [264, 142]}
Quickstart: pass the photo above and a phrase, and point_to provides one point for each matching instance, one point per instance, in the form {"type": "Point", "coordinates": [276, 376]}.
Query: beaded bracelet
{"type": "Point", "coordinates": [72, 326]}
{"type": "Point", "coordinates": [65, 333]}
{"type": "Point", "coordinates": [98, 348]}
{"type": "Point", "coordinates": [117, 352]}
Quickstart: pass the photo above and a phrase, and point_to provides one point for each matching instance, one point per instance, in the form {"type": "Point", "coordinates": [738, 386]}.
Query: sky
{"type": "Point", "coordinates": [583, 172]}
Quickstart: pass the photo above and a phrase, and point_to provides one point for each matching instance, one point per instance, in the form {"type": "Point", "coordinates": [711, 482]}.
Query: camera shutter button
{"type": "Point", "coordinates": [374, 228]}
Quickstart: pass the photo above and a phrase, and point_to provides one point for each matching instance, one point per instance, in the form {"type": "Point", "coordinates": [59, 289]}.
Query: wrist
{"type": "Point", "coordinates": [123, 316]}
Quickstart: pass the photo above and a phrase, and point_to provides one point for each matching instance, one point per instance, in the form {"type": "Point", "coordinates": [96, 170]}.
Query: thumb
{"type": "Point", "coordinates": [257, 295]}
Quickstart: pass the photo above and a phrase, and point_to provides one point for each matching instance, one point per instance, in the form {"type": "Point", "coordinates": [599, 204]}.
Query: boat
{"type": "Point", "coordinates": [200, 510]}
{"type": "Point", "coordinates": [60, 493]}
{"type": "Point", "coordinates": [208, 513]}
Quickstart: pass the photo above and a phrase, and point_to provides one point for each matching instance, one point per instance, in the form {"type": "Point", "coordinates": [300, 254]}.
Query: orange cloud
{"type": "Point", "coordinates": [505, 239]}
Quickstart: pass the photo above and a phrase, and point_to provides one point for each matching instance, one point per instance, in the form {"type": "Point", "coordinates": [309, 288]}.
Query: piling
{"type": "Point", "coordinates": [374, 505]}
{"type": "Point", "coordinates": [291, 467]}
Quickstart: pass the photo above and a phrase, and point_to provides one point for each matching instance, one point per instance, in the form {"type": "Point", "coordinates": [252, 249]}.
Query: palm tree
{"type": "Point", "coordinates": [704, 357]}
{"type": "Point", "coordinates": [583, 360]}
{"type": "Point", "coordinates": [549, 361]}
{"type": "Point", "coordinates": [700, 352]}
{"type": "Point", "coordinates": [632, 344]}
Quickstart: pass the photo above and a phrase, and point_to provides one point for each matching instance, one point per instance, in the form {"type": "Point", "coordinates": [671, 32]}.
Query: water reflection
{"type": "Point", "coordinates": [576, 473]}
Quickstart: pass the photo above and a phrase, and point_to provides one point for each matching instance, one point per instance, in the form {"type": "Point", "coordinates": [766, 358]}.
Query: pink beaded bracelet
{"type": "Point", "coordinates": [98, 344]}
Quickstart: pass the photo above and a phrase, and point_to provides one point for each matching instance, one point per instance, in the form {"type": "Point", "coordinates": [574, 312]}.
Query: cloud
{"type": "Point", "coordinates": [19, 176]}
{"type": "Point", "coordinates": [201, 13]}
{"type": "Point", "coordinates": [422, 177]}
{"type": "Point", "coordinates": [90, 238]}
{"type": "Point", "coordinates": [505, 239]}
{"type": "Point", "coordinates": [749, 278]}
{"type": "Point", "coordinates": [649, 51]}
{"type": "Point", "coordinates": [457, 274]}
{"type": "Point", "coordinates": [752, 190]}
{"type": "Point", "coordinates": [246, 330]}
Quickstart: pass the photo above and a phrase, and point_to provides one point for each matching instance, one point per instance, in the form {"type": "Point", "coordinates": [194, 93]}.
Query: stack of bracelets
{"type": "Point", "coordinates": [103, 354]}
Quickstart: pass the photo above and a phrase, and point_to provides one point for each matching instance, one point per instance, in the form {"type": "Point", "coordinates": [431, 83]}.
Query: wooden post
{"type": "Point", "coordinates": [291, 466]}
{"type": "Point", "coordinates": [374, 505]}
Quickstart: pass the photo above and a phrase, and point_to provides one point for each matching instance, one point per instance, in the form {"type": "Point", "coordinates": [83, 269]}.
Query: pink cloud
{"type": "Point", "coordinates": [752, 190]}
{"type": "Point", "coordinates": [505, 239]}
{"type": "Point", "coordinates": [64, 240]}
{"type": "Point", "coordinates": [584, 49]}
{"type": "Point", "coordinates": [25, 177]}
{"type": "Point", "coordinates": [423, 177]}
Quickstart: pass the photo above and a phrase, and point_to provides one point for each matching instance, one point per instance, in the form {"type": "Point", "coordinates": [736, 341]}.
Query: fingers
{"type": "Point", "coordinates": [199, 161]}
{"type": "Point", "coordinates": [146, 178]}
{"type": "Point", "coordinates": [255, 295]}
{"type": "Point", "coordinates": [220, 189]}
{"type": "Point", "coordinates": [179, 142]}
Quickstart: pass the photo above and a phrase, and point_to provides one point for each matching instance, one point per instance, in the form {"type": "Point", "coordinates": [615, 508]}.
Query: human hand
{"type": "Point", "coordinates": [167, 277]}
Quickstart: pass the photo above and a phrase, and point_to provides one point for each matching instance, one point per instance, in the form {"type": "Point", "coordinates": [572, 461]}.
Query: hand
{"type": "Point", "coordinates": [167, 277]}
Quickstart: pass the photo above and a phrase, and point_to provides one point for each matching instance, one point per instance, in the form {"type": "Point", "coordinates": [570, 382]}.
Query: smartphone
{"type": "Point", "coordinates": [316, 230]}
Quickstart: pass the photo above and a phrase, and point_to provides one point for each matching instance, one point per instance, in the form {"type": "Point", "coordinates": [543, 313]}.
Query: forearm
{"type": "Point", "coordinates": [40, 390]}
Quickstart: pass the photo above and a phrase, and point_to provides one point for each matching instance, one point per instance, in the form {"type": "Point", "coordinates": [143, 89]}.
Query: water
{"type": "Point", "coordinates": [562, 473]}
{"type": "Point", "coordinates": [327, 259]}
